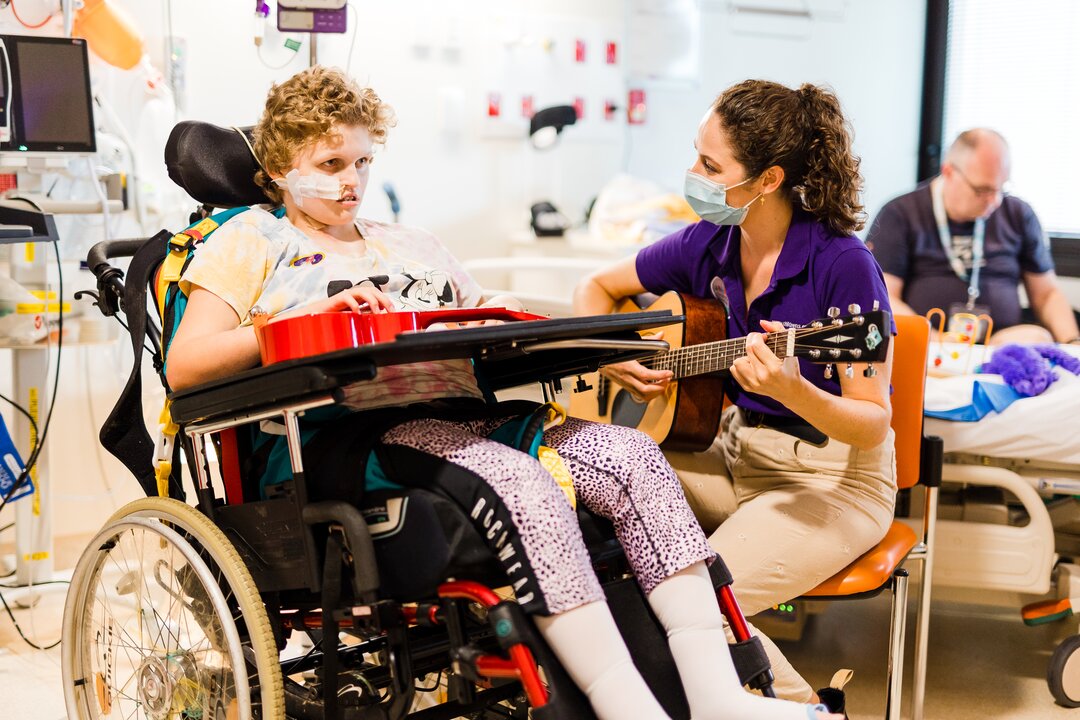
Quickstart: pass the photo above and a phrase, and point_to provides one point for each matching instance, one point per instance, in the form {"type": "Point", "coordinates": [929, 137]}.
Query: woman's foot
{"type": "Point", "coordinates": [818, 712]}
{"type": "Point", "coordinates": [832, 697]}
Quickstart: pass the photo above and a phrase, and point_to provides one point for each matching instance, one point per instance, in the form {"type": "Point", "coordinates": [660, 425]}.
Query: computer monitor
{"type": "Point", "coordinates": [45, 97]}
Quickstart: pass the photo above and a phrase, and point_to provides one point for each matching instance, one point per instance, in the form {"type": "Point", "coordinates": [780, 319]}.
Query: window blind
{"type": "Point", "coordinates": [1015, 67]}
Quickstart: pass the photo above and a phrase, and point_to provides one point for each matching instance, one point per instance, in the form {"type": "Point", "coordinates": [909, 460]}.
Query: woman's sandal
{"type": "Point", "coordinates": [833, 696]}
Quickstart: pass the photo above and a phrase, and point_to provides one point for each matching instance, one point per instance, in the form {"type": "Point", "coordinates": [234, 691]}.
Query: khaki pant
{"type": "Point", "coordinates": [786, 515]}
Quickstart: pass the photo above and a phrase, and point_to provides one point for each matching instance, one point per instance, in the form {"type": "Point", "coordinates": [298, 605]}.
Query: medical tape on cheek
{"type": "Point", "coordinates": [300, 186]}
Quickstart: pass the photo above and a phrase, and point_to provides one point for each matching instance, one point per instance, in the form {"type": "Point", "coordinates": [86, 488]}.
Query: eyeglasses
{"type": "Point", "coordinates": [982, 191]}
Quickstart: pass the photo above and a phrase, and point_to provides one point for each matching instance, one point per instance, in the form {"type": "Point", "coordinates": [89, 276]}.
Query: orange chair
{"type": "Point", "coordinates": [918, 460]}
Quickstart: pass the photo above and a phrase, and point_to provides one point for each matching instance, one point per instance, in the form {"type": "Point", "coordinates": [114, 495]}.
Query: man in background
{"type": "Point", "coordinates": [961, 243]}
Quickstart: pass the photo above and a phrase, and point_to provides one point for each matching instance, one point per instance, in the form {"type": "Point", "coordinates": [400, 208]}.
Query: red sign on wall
{"type": "Point", "coordinates": [635, 110]}
{"type": "Point", "coordinates": [579, 51]}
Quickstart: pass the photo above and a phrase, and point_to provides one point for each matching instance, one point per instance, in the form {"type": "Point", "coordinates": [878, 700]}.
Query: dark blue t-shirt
{"type": "Point", "coordinates": [816, 270]}
{"type": "Point", "coordinates": [904, 239]}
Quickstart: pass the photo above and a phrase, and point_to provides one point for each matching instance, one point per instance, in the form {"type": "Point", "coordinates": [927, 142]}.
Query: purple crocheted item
{"type": "Point", "coordinates": [1059, 357]}
{"type": "Point", "coordinates": [1027, 369]}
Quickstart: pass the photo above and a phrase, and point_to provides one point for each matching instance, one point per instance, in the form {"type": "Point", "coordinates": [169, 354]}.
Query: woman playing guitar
{"type": "Point", "coordinates": [809, 452]}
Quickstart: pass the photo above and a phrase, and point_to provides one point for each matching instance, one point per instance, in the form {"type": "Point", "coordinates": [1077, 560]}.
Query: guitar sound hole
{"type": "Point", "coordinates": [627, 411]}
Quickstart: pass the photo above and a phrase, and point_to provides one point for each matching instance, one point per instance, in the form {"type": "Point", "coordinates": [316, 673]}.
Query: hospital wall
{"type": "Point", "coordinates": [458, 174]}
{"type": "Point", "coordinates": [869, 53]}
{"type": "Point", "coordinates": [469, 178]}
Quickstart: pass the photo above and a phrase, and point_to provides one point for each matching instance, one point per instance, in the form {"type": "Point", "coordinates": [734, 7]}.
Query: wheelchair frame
{"type": "Point", "coordinates": [486, 644]}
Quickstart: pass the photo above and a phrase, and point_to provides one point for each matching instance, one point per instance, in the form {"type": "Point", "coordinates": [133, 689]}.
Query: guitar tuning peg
{"type": "Point", "coordinates": [870, 371]}
{"type": "Point", "coordinates": [835, 352]}
{"type": "Point", "coordinates": [849, 371]}
{"type": "Point", "coordinates": [877, 305]}
{"type": "Point", "coordinates": [814, 353]}
{"type": "Point", "coordinates": [854, 309]}
{"type": "Point", "coordinates": [828, 371]}
{"type": "Point", "coordinates": [581, 385]}
{"type": "Point", "coordinates": [833, 312]}
{"type": "Point", "coordinates": [855, 353]}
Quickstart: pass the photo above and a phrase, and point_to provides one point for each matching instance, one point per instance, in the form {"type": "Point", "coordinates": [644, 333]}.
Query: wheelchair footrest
{"type": "Point", "coordinates": [303, 704]}
{"type": "Point", "coordinates": [465, 661]}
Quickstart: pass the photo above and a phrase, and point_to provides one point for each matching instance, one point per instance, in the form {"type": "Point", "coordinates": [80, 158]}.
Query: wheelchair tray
{"type": "Point", "coordinates": [506, 355]}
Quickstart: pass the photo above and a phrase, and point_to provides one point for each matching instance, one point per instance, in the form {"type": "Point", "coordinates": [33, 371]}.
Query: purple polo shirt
{"type": "Point", "coordinates": [816, 270]}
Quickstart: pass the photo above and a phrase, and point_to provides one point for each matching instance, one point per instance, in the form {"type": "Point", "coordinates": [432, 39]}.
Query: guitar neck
{"type": "Point", "coordinates": [713, 356]}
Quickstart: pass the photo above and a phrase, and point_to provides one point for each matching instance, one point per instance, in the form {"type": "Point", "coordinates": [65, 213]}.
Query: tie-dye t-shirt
{"type": "Point", "coordinates": [256, 263]}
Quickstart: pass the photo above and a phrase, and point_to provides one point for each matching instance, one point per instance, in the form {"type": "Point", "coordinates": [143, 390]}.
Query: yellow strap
{"type": "Point", "coordinates": [163, 467]}
{"type": "Point", "coordinates": [197, 232]}
{"type": "Point", "coordinates": [173, 264]}
{"type": "Point", "coordinates": [556, 415]}
{"type": "Point", "coordinates": [171, 267]}
{"type": "Point", "coordinates": [165, 418]}
{"type": "Point", "coordinates": [554, 464]}
{"type": "Point", "coordinates": [162, 472]}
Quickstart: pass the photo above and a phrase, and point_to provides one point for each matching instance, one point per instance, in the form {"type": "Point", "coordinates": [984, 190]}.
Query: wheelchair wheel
{"type": "Point", "coordinates": [163, 621]}
{"type": "Point", "coordinates": [1063, 673]}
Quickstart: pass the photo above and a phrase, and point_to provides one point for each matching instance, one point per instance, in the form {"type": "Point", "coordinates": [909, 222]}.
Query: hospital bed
{"type": "Point", "coordinates": [1028, 451]}
{"type": "Point", "coordinates": [1013, 525]}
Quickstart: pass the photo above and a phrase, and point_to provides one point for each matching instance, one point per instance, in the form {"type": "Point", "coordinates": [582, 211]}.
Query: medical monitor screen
{"type": "Point", "coordinates": [49, 82]}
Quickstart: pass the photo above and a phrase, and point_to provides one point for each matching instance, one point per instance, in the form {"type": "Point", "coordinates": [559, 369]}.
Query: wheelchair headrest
{"type": "Point", "coordinates": [214, 165]}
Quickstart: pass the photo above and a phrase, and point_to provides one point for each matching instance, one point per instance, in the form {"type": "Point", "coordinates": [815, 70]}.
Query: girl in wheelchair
{"type": "Point", "coordinates": [315, 143]}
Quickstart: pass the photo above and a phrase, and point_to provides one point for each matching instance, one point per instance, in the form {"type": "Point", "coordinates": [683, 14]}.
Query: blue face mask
{"type": "Point", "coordinates": [709, 200]}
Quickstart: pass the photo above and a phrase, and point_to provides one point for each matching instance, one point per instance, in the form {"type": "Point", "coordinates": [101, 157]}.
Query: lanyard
{"type": "Point", "coordinates": [977, 243]}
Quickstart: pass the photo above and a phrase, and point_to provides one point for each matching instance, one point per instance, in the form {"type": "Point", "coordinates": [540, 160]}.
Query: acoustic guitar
{"type": "Point", "coordinates": [687, 416]}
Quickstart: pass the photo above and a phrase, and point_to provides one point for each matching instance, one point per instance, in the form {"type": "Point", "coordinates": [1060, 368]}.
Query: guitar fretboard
{"type": "Point", "coordinates": [713, 356]}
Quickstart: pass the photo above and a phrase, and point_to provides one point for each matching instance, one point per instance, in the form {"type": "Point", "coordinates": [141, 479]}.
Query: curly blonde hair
{"type": "Point", "coordinates": [804, 132]}
{"type": "Point", "coordinates": [305, 108]}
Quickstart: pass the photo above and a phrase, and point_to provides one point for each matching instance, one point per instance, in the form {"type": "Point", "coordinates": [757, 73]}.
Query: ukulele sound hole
{"type": "Point", "coordinates": [627, 411]}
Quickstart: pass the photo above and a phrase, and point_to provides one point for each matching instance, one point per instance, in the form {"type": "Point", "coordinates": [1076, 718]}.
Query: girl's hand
{"type": "Point", "coordinates": [761, 372]}
{"type": "Point", "coordinates": [504, 301]}
{"type": "Point", "coordinates": [357, 299]}
{"type": "Point", "coordinates": [463, 325]}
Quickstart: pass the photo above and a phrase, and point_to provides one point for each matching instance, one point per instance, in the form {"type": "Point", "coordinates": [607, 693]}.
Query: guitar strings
{"type": "Point", "coordinates": [695, 353]}
{"type": "Point", "coordinates": [702, 356]}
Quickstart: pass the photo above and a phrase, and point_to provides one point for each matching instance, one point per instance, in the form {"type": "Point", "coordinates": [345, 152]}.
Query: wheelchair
{"type": "Point", "coordinates": [185, 611]}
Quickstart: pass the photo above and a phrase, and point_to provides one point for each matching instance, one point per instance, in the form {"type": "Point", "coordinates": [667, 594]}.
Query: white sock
{"type": "Point", "coordinates": [686, 605]}
{"type": "Point", "coordinates": [591, 649]}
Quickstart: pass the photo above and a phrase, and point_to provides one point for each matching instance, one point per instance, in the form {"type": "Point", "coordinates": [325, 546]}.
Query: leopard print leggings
{"type": "Point", "coordinates": [619, 473]}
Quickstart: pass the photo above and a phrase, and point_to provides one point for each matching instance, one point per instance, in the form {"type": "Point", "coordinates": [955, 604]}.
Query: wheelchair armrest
{"type": "Point", "coordinates": [262, 389]}
{"type": "Point", "coordinates": [506, 355]}
{"type": "Point", "coordinates": [358, 539]}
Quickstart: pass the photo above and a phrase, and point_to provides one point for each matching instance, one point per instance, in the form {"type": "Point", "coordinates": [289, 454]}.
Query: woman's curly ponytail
{"type": "Point", "coordinates": [805, 133]}
{"type": "Point", "coordinates": [832, 184]}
